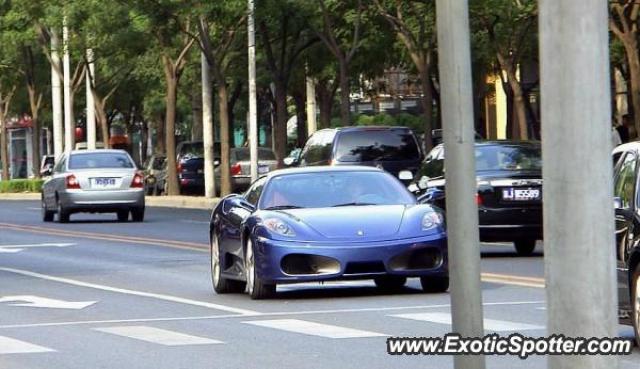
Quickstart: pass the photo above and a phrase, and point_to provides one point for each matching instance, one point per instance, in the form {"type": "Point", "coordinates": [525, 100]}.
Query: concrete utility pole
{"type": "Point", "coordinates": [56, 95]}
{"type": "Point", "coordinates": [207, 128]}
{"type": "Point", "coordinates": [576, 151]}
{"type": "Point", "coordinates": [462, 211]}
{"type": "Point", "coordinates": [91, 108]}
{"type": "Point", "coordinates": [311, 106]}
{"type": "Point", "coordinates": [69, 126]}
{"type": "Point", "coordinates": [253, 105]}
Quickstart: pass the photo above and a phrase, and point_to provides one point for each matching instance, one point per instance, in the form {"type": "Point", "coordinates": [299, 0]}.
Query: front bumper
{"type": "Point", "coordinates": [414, 257]}
{"type": "Point", "coordinates": [82, 200]}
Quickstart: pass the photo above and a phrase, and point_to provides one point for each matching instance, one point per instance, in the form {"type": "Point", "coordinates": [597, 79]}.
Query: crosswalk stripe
{"type": "Point", "coordinates": [14, 346]}
{"type": "Point", "coordinates": [157, 335]}
{"type": "Point", "coordinates": [314, 329]}
{"type": "Point", "coordinates": [489, 324]}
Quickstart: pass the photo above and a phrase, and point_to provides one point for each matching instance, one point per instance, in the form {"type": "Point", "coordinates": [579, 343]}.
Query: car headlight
{"type": "Point", "coordinates": [277, 226]}
{"type": "Point", "coordinates": [431, 220]}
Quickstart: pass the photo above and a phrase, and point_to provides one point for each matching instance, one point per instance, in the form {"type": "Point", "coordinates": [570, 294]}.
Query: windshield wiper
{"type": "Point", "coordinates": [283, 207]}
{"type": "Point", "coordinates": [354, 204]}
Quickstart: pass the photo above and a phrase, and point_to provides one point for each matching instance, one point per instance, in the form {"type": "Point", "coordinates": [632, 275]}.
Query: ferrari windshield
{"type": "Point", "coordinates": [334, 188]}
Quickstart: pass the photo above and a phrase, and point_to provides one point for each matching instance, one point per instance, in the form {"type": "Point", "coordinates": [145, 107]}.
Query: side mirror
{"type": "Point", "coordinates": [617, 203]}
{"type": "Point", "coordinates": [47, 170]}
{"type": "Point", "coordinates": [405, 175]}
{"type": "Point", "coordinates": [289, 161]}
{"type": "Point", "coordinates": [423, 183]}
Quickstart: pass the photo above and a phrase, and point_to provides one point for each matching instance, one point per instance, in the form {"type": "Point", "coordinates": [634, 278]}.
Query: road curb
{"type": "Point", "coordinates": [185, 202]}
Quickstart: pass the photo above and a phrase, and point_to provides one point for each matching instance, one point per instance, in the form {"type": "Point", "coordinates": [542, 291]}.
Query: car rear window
{"type": "Point", "coordinates": [192, 149]}
{"type": "Point", "coordinates": [377, 145]}
{"type": "Point", "coordinates": [100, 160]}
{"type": "Point", "coordinates": [508, 157]}
{"type": "Point", "coordinates": [242, 154]}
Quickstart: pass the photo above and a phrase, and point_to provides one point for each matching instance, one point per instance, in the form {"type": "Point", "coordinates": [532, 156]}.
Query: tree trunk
{"type": "Point", "coordinates": [280, 126]}
{"type": "Point", "coordinates": [4, 148]}
{"type": "Point", "coordinates": [344, 94]}
{"type": "Point", "coordinates": [325, 103]}
{"type": "Point", "coordinates": [631, 48]}
{"type": "Point", "coordinates": [427, 105]}
{"type": "Point", "coordinates": [520, 109]}
{"type": "Point", "coordinates": [225, 175]}
{"type": "Point", "coordinates": [301, 113]}
{"type": "Point", "coordinates": [34, 103]}
{"type": "Point", "coordinates": [171, 81]}
{"type": "Point", "coordinates": [196, 110]}
{"type": "Point", "coordinates": [101, 116]}
{"type": "Point", "coordinates": [159, 124]}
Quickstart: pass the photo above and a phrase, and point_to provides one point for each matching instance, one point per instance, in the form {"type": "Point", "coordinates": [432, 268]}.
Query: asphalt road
{"type": "Point", "coordinates": [100, 294]}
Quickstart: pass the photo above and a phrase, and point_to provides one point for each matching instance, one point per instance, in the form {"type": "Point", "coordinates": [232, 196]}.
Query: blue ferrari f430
{"type": "Point", "coordinates": [326, 223]}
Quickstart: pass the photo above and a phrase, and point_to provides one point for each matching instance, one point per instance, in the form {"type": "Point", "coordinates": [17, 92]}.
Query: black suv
{"type": "Point", "coordinates": [190, 161]}
{"type": "Point", "coordinates": [393, 149]}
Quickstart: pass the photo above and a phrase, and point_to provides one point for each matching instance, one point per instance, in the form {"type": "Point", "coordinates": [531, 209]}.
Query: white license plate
{"type": "Point", "coordinates": [104, 182]}
{"type": "Point", "coordinates": [525, 194]}
{"type": "Point", "coordinates": [263, 169]}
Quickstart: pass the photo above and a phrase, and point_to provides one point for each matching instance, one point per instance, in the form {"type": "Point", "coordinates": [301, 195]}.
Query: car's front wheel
{"type": "Point", "coordinates": [525, 247]}
{"type": "Point", "coordinates": [635, 300]}
{"type": "Point", "coordinates": [256, 288]}
{"type": "Point", "coordinates": [390, 282]}
{"type": "Point", "coordinates": [435, 284]}
{"type": "Point", "coordinates": [220, 284]}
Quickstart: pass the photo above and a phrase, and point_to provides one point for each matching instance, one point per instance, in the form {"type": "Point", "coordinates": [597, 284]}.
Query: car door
{"type": "Point", "coordinates": [54, 183]}
{"type": "Point", "coordinates": [627, 218]}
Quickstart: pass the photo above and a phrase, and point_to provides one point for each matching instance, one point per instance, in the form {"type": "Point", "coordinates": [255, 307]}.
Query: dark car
{"type": "Point", "coordinates": [154, 175]}
{"type": "Point", "coordinates": [326, 223]}
{"type": "Point", "coordinates": [627, 205]}
{"type": "Point", "coordinates": [394, 149]}
{"type": "Point", "coordinates": [509, 180]}
{"type": "Point", "coordinates": [190, 161]}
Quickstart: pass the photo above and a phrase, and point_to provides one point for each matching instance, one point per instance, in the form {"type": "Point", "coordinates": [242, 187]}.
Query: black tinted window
{"type": "Point", "coordinates": [100, 160]}
{"type": "Point", "coordinates": [503, 157]}
{"type": "Point", "coordinates": [192, 149]}
{"type": "Point", "coordinates": [373, 145]}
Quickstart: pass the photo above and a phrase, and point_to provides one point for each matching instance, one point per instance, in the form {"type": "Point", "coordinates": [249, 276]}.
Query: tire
{"type": "Point", "coordinates": [256, 289]}
{"type": "Point", "coordinates": [63, 214]}
{"type": "Point", "coordinates": [525, 247]}
{"type": "Point", "coordinates": [47, 215]}
{"type": "Point", "coordinates": [635, 301]}
{"type": "Point", "coordinates": [436, 284]}
{"type": "Point", "coordinates": [220, 284]}
{"type": "Point", "coordinates": [123, 215]}
{"type": "Point", "coordinates": [390, 282]}
{"type": "Point", "coordinates": [137, 215]}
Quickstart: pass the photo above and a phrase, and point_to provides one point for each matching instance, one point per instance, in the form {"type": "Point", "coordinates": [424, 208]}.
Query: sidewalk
{"type": "Point", "coordinates": [186, 202]}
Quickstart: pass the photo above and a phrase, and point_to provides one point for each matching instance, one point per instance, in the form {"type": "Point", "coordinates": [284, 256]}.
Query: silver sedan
{"type": "Point", "coordinates": [94, 181]}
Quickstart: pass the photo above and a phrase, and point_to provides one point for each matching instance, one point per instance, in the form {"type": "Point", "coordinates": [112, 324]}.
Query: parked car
{"type": "Point", "coordinates": [394, 149]}
{"type": "Point", "coordinates": [326, 223]}
{"type": "Point", "coordinates": [509, 175]}
{"type": "Point", "coordinates": [240, 170]}
{"type": "Point", "coordinates": [627, 206]}
{"type": "Point", "coordinates": [190, 161]}
{"type": "Point", "coordinates": [154, 175]}
{"type": "Point", "coordinates": [94, 181]}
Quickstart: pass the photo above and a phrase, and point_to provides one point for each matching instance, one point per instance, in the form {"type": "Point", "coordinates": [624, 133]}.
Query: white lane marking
{"type": "Point", "coordinates": [277, 313]}
{"type": "Point", "coordinates": [43, 302]}
{"type": "Point", "coordinates": [544, 308]}
{"type": "Point", "coordinates": [14, 346]}
{"type": "Point", "coordinates": [157, 296]}
{"type": "Point", "coordinates": [158, 336]}
{"type": "Point", "coordinates": [489, 324]}
{"type": "Point", "coordinates": [314, 329]}
{"type": "Point", "coordinates": [18, 248]}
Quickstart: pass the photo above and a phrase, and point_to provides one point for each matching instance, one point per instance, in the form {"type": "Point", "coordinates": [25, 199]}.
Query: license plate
{"type": "Point", "coordinates": [521, 194]}
{"type": "Point", "coordinates": [104, 182]}
{"type": "Point", "coordinates": [263, 169]}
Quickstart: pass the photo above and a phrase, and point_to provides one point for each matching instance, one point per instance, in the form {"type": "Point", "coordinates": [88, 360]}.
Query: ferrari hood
{"type": "Point", "coordinates": [352, 222]}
